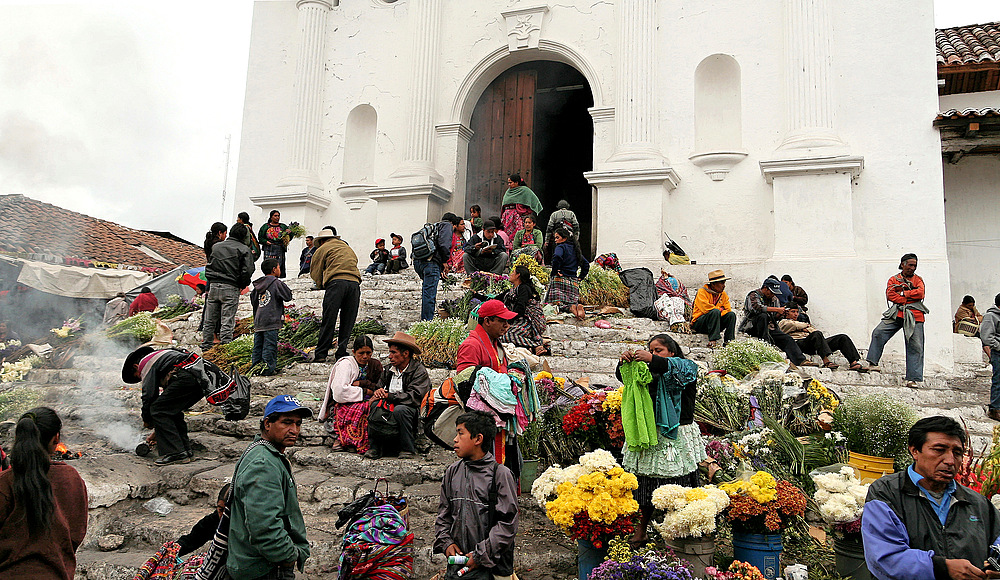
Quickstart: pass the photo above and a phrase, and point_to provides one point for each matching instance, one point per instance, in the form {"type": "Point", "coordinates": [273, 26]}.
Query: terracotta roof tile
{"type": "Point", "coordinates": [972, 44]}
{"type": "Point", "coordinates": [968, 113]}
{"type": "Point", "coordinates": [28, 226]}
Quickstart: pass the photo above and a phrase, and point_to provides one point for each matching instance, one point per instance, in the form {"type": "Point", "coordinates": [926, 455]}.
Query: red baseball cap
{"type": "Point", "coordinates": [495, 308]}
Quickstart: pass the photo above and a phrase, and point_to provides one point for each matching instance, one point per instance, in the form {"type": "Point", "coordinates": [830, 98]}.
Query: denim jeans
{"type": "Point", "coordinates": [265, 349]}
{"type": "Point", "coordinates": [914, 347]}
{"type": "Point", "coordinates": [375, 268]}
{"type": "Point", "coordinates": [995, 386]}
{"type": "Point", "coordinates": [431, 274]}
{"type": "Point", "coordinates": [221, 303]}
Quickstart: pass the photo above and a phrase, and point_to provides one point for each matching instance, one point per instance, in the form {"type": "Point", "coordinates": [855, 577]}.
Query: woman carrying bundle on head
{"type": "Point", "coordinates": [518, 201]}
{"type": "Point", "coordinates": [43, 503]}
{"type": "Point", "coordinates": [564, 288]}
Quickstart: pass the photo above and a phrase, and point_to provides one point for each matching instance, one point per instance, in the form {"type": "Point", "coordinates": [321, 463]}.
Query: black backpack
{"type": "Point", "coordinates": [423, 243]}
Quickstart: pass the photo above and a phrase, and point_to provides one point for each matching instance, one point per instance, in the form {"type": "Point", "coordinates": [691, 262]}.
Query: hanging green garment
{"type": "Point", "coordinates": [638, 420]}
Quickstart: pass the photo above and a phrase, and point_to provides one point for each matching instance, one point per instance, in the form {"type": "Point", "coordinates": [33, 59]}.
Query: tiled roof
{"type": "Point", "coordinates": [29, 227]}
{"type": "Point", "coordinates": [968, 113]}
{"type": "Point", "coordinates": [972, 44]}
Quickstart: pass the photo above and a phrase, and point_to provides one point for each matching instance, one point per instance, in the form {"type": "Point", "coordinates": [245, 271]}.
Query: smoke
{"type": "Point", "coordinates": [124, 436]}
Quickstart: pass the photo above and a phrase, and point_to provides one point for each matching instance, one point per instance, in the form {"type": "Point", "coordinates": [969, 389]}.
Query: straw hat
{"type": "Point", "coordinates": [404, 340]}
{"type": "Point", "coordinates": [717, 276]}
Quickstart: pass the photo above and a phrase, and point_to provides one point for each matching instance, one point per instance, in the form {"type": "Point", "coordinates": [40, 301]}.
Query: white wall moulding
{"type": "Point", "coordinates": [524, 27]}
{"type": "Point", "coordinates": [602, 114]}
{"type": "Point", "coordinates": [429, 190]}
{"type": "Point", "coordinates": [665, 175]}
{"type": "Point", "coordinates": [852, 164]}
{"type": "Point", "coordinates": [455, 130]}
{"type": "Point", "coordinates": [310, 197]}
{"type": "Point", "coordinates": [717, 164]}
{"type": "Point", "coordinates": [354, 194]}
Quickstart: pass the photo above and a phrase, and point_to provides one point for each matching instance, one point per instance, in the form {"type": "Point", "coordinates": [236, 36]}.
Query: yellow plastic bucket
{"type": "Point", "coordinates": [869, 467]}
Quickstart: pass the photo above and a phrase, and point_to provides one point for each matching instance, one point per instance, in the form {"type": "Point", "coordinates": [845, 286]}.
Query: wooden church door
{"type": "Point", "coordinates": [502, 123]}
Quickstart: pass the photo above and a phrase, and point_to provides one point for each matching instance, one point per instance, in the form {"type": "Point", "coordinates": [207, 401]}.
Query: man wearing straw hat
{"type": "Point", "coordinates": [404, 385]}
{"type": "Point", "coordinates": [712, 311]}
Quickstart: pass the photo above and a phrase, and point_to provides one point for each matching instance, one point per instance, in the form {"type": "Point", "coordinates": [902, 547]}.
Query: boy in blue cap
{"type": "Point", "coordinates": [267, 535]}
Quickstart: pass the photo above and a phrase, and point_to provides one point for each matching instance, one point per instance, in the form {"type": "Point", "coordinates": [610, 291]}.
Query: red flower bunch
{"type": "Point", "coordinates": [597, 532]}
{"type": "Point", "coordinates": [751, 516]}
{"type": "Point", "coordinates": [590, 423]}
{"type": "Point", "coordinates": [578, 421]}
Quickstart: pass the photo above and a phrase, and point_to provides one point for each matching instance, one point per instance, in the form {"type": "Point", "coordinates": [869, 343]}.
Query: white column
{"type": "Point", "coordinates": [635, 110]}
{"type": "Point", "coordinates": [809, 62]}
{"type": "Point", "coordinates": [425, 41]}
{"type": "Point", "coordinates": [304, 139]}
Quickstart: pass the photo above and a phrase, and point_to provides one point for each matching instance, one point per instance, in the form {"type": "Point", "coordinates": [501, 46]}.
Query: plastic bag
{"type": "Point", "coordinates": [159, 505]}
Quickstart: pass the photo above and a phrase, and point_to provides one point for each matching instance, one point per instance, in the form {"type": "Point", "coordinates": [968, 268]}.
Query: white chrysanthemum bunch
{"type": "Point", "coordinates": [840, 496]}
{"type": "Point", "coordinates": [9, 344]}
{"type": "Point", "coordinates": [544, 488]}
{"type": "Point", "coordinates": [11, 372]}
{"type": "Point", "coordinates": [688, 512]}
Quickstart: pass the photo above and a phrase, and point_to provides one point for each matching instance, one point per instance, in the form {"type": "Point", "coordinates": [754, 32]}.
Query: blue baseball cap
{"type": "Point", "coordinates": [286, 404]}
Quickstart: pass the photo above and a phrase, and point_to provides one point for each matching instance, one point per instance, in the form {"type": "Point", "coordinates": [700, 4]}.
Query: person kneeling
{"type": "Point", "coordinates": [404, 385]}
{"type": "Point", "coordinates": [478, 514]}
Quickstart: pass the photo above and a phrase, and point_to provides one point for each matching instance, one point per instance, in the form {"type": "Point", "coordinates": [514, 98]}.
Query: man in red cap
{"type": "Point", "coordinates": [483, 347]}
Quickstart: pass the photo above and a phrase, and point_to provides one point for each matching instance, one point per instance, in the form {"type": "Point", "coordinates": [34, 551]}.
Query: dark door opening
{"type": "Point", "coordinates": [533, 119]}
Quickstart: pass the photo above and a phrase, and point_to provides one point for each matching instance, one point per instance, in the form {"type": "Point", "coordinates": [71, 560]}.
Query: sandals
{"type": "Point", "coordinates": [807, 363]}
{"type": "Point", "coordinates": [831, 366]}
{"type": "Point", "coordinates": [856, 367]}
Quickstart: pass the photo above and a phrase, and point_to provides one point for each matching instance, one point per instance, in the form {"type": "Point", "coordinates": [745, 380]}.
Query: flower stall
{"type": "Point", "coordinates": [689, 521]}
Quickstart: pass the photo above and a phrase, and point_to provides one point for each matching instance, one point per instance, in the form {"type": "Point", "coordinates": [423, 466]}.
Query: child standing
{"type": "Point", "coordinates": [268, 300]}
{"type": "Point", "coordinates": [476, 217]}
{"type": "Point", "coordinates": [478, 514]}
{"type": "Point", "coordinates": [397, 255]}
{"type": "Point", "coordinates": [380, 257]}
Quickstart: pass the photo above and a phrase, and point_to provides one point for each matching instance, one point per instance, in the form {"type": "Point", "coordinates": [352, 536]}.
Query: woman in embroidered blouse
{"type": "Point", "coordinates": [353, 380]}
{"type": "Point", "coordinates": [455, 262]}
{"type": "Point", "coordinates": [528, 241]}
{"type": "Point", "coordinates": [270, 238]}
{"type": "Point", "coordinates": [679, 449]}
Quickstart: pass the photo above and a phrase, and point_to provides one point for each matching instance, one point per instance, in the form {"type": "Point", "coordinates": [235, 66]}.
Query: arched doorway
{"type": "Point", "coordinates": [533, 120]}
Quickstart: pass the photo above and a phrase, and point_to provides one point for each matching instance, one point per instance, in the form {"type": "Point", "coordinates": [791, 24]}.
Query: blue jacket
{"type": "Point", "coordinates": [904, 538]}
{"type": "Point", "coordinates": [565, 262]}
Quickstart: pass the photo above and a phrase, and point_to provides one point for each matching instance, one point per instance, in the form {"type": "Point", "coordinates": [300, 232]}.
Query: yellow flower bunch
{"type": "Point", "coordinates": [821, 395]}
{"type": "Point", "coordinates": [762, 487]}
{"type": "Point", "coordinates": [543, 375]}
{"type": "Point", "coordinates": [613, 401]}
{"type": "Point", "coordinates": [603, 495]}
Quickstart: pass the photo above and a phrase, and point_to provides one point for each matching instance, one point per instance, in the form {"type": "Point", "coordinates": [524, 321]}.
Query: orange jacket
{"type": "Point", "coordinates": [707, 300]}
{"type": "Point", "coordinates": [906, 296]}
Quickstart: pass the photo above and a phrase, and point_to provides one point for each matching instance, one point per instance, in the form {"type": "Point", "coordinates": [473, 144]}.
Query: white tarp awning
{"type": "Point", "coordinates": [76, 282]}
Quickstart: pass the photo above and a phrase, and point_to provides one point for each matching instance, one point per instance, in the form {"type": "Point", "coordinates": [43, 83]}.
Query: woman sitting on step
{"type": "Point", "coordinates": [43, 503]}
{"type": "Point", "coordinates": [353, 380]}
{"type": "Point", "coordinates": [527, 327]}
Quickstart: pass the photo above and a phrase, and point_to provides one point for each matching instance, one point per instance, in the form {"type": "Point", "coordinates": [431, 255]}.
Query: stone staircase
{"type": "Point", "coordinates": [98, 408]}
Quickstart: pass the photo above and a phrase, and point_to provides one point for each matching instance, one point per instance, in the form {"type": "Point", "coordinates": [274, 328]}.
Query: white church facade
{"type": "Point", "coordinates": [776, 136]}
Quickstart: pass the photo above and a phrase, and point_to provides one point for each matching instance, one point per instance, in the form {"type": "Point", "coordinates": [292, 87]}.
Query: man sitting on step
{"type": "Point", "coordinates": [812, 341]}
{"type": "Point", "coordinates": [761, 313]}
{"type": "Point", "coordinates": [404, 384]}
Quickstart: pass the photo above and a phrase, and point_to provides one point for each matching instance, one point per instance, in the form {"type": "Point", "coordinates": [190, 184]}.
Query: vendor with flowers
{"type": "Point", "coordinates": [670, 454]}
{"type": "Point", "coordinates": [919, 523]}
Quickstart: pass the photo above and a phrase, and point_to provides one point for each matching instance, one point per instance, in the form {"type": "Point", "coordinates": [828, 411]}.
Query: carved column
{"type": "Point", "coordinates": [635, 110]}
{"type": "Point", "coordinates": [809, 63]}
{"type": "Point", "coordinates": [425, 41]}
{"type": "Point", "coordinates": [304, 140]}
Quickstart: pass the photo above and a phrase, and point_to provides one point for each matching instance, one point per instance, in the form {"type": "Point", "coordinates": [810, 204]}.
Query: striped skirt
{"type": "Point", "coordinates": [526, 331]}
{"type": "Point", "coordinates": [351, 423]}
{"type": "Point", "coordinates": [563, 291]}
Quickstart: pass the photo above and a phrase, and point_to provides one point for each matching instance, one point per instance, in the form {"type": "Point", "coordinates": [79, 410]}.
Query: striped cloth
{"type": "Point", "coordinates": [377, 546]}
{"type": "Point", "coordinates": [350, 420]}
{"type": "Point", "coordinates": [563, 290]}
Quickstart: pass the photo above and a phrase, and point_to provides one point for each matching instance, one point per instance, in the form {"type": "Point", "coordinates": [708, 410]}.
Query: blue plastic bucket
{"type": "Point", "coordinates": [589, 557]}
{"type": "Point", "coordinates": [761, 550]}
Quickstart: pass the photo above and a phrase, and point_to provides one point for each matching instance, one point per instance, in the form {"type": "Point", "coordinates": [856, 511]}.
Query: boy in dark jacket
{"type": "Point", "coordinates": [268, 300]}
{"type": "Point", "coordinates": [478, 515]}
{"type": "Point", "coordinates": [380, 257]}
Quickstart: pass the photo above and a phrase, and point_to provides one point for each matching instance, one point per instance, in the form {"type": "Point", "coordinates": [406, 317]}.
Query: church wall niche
{"type": "Point", "coordinates": [359, 145]}
{"type": "Point", "coordinates": [718, 116]}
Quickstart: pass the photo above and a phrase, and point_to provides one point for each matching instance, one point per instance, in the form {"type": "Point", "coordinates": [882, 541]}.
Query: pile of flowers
{"type": "Point", "coordinates": [9, 347]}
{"type": "Point", "coordinates": [754, 446]}
{"type": "Point", "coordinates": [176, 306]}
{"type": "Point", "coordinates": [821, 396]}
{"type": "Point", "coordinates": [488, 284]}
{"type": "Point", "coordinates": [593, 424]}
{"type": "Point", "coordinates": [69, 329]}
{"type": "Point", "coordinates": [439, 340]}
{"type": "Point", "coordinates": [746, 355]}
{"type": "Point", "coordinates": [547, 385]}
{"type": "Point", "coordinates": [624, 563]}
{"type": "Point", "coordinates": [613, 400]}
{"type": "Point", "coordinates": [841, 499]}
{"type": "Point", "coordinates": [762, 505]}
{"type": "Point", "coordinates": [537, 271]}
{"type": "Point", "coordinates": [688, 512]}
{"type": "Point", "coordinates": [593, 501]}
{"type": "Point", "coordinates": [737, 571]}
{"type": "Point", "coordinates": [11, 372]}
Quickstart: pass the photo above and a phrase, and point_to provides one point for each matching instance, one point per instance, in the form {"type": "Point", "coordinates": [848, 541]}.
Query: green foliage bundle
{"type": "Point", "coordinates": [744, 356]}
{"type": "Point", "coordinates": [439, 340]}
{"type": "Point", "coordinates": [603, 287]}
{"type": "Point", "coordinates": [722, 407]}
{"type": "Point", "coordinates": [175, 306]}
{"type": "Point", "coordinates": [134, 328]}
{"type": "Point", "coordinates": [876, 425]}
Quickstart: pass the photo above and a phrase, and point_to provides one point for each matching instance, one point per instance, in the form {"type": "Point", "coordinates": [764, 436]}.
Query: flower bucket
{"type": "Point", "coordinates": [851, 559]}
{"type": "Point", "coordinates": [589, 557]}
{"type": "Point", "coordinates": [760, 550]}
{"type": "Point", "coordinates": [698, 551]}
{"type": "Point", "coordinates": [529, 472]}
{"type": "Point", "coordinates": [869, 467]}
